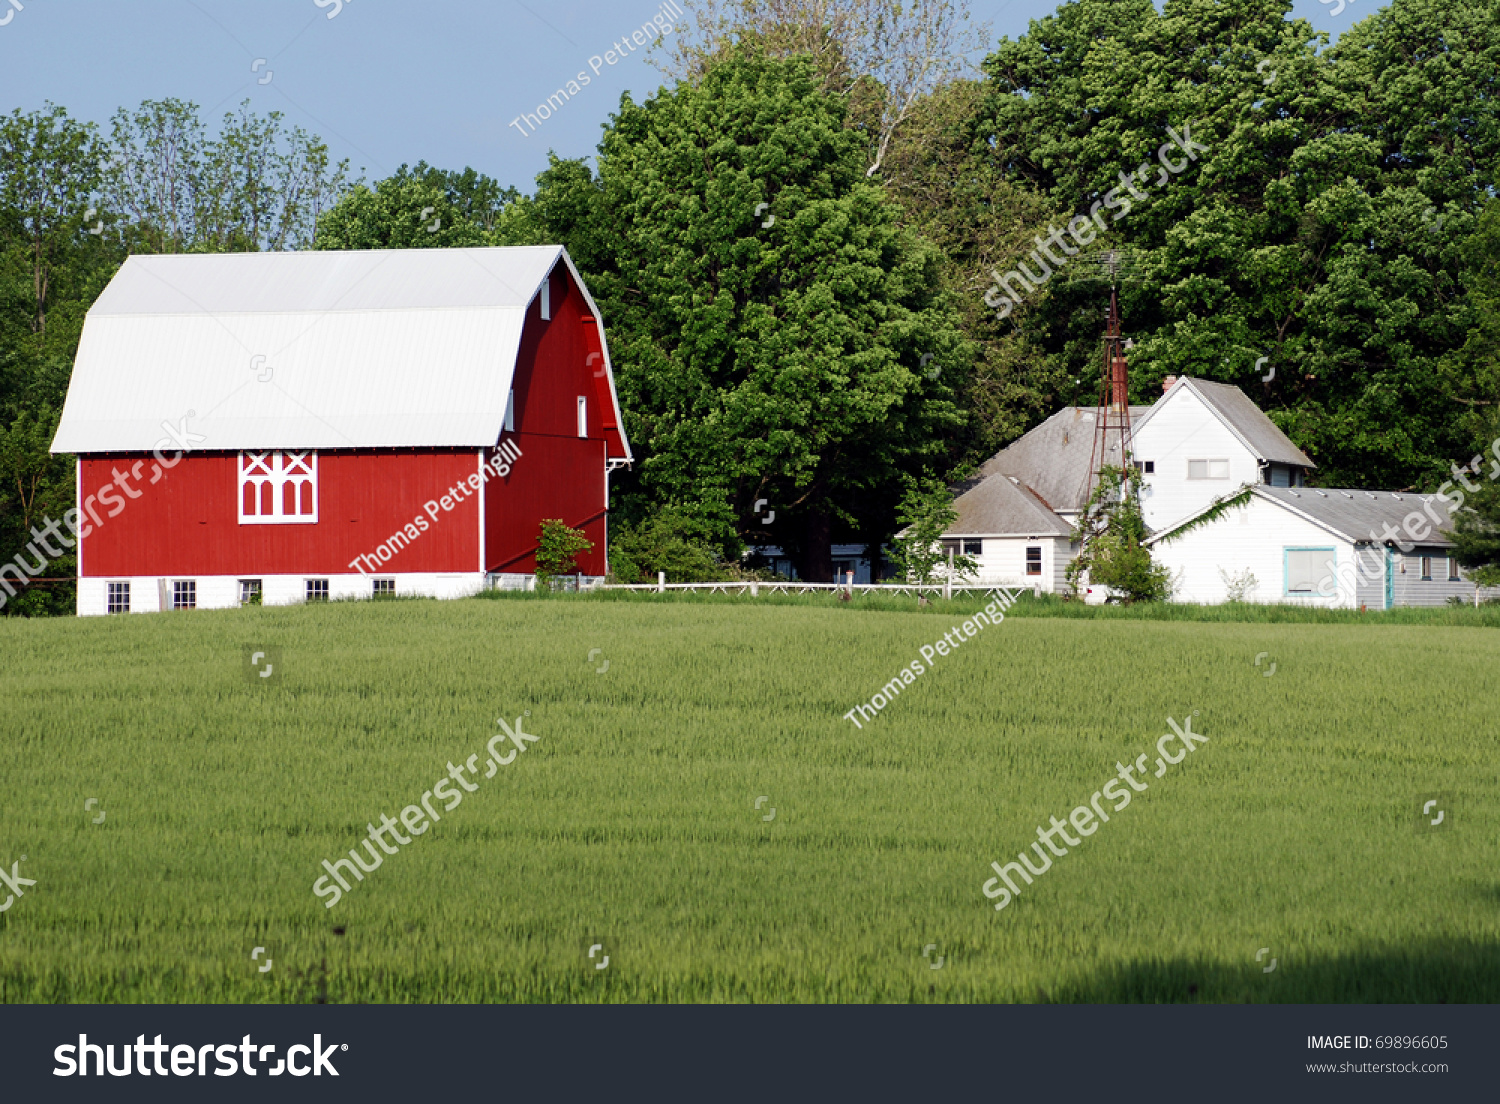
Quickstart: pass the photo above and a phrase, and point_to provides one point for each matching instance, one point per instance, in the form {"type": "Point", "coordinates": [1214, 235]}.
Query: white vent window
{"type": "Point", "coordinates": [546, 298]}
{"type": "Point", "coordinates": [583, 416]}
{"type": "Point", "coordinates": [510, 411]}
{"type": "Point", "coordinates": [278, 488]}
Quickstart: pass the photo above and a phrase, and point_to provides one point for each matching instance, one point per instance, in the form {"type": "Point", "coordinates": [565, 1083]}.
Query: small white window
{"type": "Point", "coordinates": [249, 592]}
{"type": "Point", "coordinates": [278, 487]}
{"type": "Point", "coordinates": [384, 586]}
{"type": "Point", "coordinates": [547, 299]}
{"type": "Point", "coordinates": [119, 598]}
{"type": "Point", "coordinates": [317, 590]}
{"type": "Point", "coordinates": [583, 416]}
{"type": "Point", "coordinates": [184, 594]}
{"type": "Point", "coordinates": [1033, 559]}
{"type": "Point", "coordinates": [510, 411]}
{"type": "Point", "coordinates": [1208, 469]}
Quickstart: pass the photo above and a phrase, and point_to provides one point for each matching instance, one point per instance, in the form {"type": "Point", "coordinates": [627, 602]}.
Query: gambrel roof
{"type": "Point", "coordinates": [398, 348]}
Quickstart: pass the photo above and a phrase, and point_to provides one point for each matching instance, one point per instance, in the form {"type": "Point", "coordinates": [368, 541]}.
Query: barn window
{"type": "Point", "coordinates": [250, 592]}
{"type": "Point", "coordinates": [1208, 469]}
{"type": "Point", "coordinates": [1033, 559]}
{"type": "Point", "coordinates": [317, 590]}
{"type": "Point", "coordinates": [383, 586]}
{"type": "Point", "coordinates": [118, 600]}
{"type": "Point", "coordinates": [278, 487]}
{"type": "Point", "coordinates": [583, 416]}
{"type": "Point", "coordinates": [184, 594]}
{"type": "Point", "coordinates": [1307, 569]}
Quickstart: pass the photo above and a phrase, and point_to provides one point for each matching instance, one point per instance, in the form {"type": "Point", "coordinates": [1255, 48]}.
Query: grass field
{"type": "Point", "coordinates": [632, 822]}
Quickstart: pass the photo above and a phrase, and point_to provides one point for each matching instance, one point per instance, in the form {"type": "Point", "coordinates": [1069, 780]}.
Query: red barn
{"type": "Point", "coordinates": [335, 424]}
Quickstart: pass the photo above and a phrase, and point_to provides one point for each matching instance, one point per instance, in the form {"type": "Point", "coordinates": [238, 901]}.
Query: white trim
{"type": "Point", "coordinates": [222, 592]}
{"type": "Point", "coordinates": [483, 486]}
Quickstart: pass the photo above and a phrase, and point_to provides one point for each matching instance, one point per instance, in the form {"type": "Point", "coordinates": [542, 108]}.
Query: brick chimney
{"type": "Point", "coordinates": [1166, 384]}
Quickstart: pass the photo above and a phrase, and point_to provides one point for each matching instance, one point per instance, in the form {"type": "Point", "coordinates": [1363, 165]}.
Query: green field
{"type": "Point", "coordinates": [632, 822]}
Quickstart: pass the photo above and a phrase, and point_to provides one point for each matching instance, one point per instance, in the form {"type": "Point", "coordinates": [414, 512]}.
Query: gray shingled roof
{"type": "Point", "coordinates": [1356, 514]}
{"type": "Point", "coordinates": [1245, 419]}
{"type": "Point", "coordinates": [1053, 458]}
{"type": "Point", "coordinates": [997, 506]}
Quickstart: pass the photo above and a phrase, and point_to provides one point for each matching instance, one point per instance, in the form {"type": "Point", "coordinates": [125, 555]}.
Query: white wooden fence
{"type": "Point", "coordinates": [755, 589]}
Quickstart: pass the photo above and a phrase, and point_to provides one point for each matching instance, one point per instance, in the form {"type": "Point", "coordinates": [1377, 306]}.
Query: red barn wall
{"type": "Point", "coordinates": [187, 524]}
{"type": "Point", "coordinates": [559, 475]}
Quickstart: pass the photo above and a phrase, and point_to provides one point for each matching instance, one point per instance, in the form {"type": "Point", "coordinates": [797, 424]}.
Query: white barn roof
{"type": "Point", "coordinates": [400, 348]}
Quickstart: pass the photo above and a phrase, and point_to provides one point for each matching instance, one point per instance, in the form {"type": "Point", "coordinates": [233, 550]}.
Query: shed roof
{"type": "Point", "coordinates": [1352, 514]}
{"type": "Point", "coordinates": [393, 348]}
{"type": "Point", "coordinates": [999, 506]}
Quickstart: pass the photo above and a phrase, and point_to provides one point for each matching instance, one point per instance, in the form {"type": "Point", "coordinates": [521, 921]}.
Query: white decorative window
{"type": "Point", "coordinates": [278, 487]}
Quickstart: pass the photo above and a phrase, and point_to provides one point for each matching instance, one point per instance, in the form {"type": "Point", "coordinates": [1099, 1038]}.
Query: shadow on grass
{"type": "Point", "coordinates": [1439, 972]}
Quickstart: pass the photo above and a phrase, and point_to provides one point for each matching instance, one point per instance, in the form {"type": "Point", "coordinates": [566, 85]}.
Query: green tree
{"type": "Point", "coordinates": [767, 314]}
{"type": "Point", "coordinates": [557, 552]}
{"type": "Point", "coordinates": [472, 196]}
{"type": "Point", "coordinates": [1111, 534]}
{"type": "Point", "coordinates": [925, 514]}
{"type": "Point", "coordinates": [1322, 226]}
{"type": "Point", "coordinates": [396, 214]}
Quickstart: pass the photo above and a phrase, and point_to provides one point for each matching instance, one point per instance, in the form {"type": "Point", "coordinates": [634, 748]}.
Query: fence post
{"type": "Point", "coordinates": [661, 582]}
{"type": "Point", "coordinates": [849, 583]}
{"type": "Point", "coordinates": [948, 578]}
{"type": "Point", "coordinates": [754, 589]}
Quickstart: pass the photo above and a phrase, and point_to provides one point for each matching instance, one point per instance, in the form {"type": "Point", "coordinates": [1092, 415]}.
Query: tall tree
{"type": "Point", "coordinates": [767, 314]}
{"type": "Point", "coordinates": [882, 55]}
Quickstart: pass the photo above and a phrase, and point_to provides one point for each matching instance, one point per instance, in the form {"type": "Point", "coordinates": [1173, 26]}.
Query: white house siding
{"type": "Point", "coordinates": [1412, 590]}
{"type": "Point", "coordinates": [1182, 428]}
{"type": "Point", "coordinates": [223, 591]}
{"type": "Point", "coordinates": [1003, 560]}
{"type": "Point", "coordinates": [1369, 580]}
{"type": "Point", "coordinates": [1252, 537]}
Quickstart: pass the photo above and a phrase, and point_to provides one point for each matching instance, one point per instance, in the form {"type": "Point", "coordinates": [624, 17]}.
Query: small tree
{"type": "Point", "coordinates": [1112, 534]}
{"type": "Point", "coordinates": [1476, 533]}
{"type": "Point", "coordinates": [925, 514]}
{"type": "Point", "coordinates": [557, 551]}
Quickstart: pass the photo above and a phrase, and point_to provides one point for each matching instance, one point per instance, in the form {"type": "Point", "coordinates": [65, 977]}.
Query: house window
{"type": "Point", "coordinates": [1208, 469]}
{"type": "Point", "coordinates": [1145, 467]}
{"type": "Point", "coordinates": [973, 548]}
{"type": "Point", "coordinates": [1453, 575]}
{"type": "Point", "coordinates": [278, 487]}
{"type": "Point", "coordinates": [583, 416]}
{"type": "Point", "coordinates": [249, 592]}
{"type": "Point", "coordinates": [1033, 559]}
{"type": "Point", "coordinates": [118, 600]}
{"type": "Point", "coordinates": [317, 590]}
{"type": "Point", "coordinates": [184, 594]}
{"type": "Point", "coordinates": [1427, 569]}
{"type": "Point", "coordinates": [384, 586]}
{"type": "Point", "coordinates": [1307, 569]}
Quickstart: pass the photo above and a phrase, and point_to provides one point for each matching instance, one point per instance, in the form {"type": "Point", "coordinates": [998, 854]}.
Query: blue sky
{"type": "Point", "coordinates": [383, 81]}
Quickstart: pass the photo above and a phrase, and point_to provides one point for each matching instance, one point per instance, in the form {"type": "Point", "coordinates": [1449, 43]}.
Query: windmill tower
{"type": "Point", "coordinates": [1112, 433]}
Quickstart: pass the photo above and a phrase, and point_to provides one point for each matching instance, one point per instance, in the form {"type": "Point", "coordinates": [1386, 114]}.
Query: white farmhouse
{"type": "Point", "coordinates": [1225, 494]}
